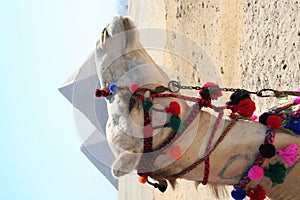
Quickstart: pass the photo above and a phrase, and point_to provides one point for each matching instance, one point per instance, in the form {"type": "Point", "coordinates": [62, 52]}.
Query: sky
{"type": "Point", "coordinates": [42, 43]}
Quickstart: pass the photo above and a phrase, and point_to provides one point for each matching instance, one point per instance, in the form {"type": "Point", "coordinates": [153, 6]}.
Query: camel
{"type": "Point", "coordinates": [122, 60]}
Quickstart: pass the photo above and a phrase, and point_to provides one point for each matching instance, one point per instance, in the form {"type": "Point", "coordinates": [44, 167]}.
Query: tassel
{"type": "Point", "coordinates": [210, 90]}
{"type": "Point", "coordinates": [274, 122]}
{"type": "Point", "coordinates": [293, 125]}
{"type": "Point", "coordinates": [263, 118]}
{"type": "Point", "coordinates": [237, 96]}
{"type": "Point", "coordinates": [142, 179]}
{"type": "Point", "coordinates": [102, 93]}
{"type": "Point", "coordinates": [133, 87]}
{"type": "Point", "coordinates": [246, 107]}
{"type": "Point", "coordinates": [238, 194]}
{"type": "Point", "coordinates": [148, 131]}
{"type": "Point", "coordinates": [112, 88]}
{"type": "Point", "coordinates": [296, 100]}
{"type": "Point", "coordinates": [173, 108]}
{"type": "Point", "coordinates": [276, 172]}
{"type": "Point", "coordinates": [267, 150]}
{"type": "Point", "coordinates": [147, 105]}
{"type": "Point", "coordinates": [256, 194]}
{"type": "Point", "coordinates": [175, 123]}
{"type": "Point", "coordinates": [161, 188]}
{"type": "Point", "coordinates": [290, 154]}
{"type": "Point", "coordinates": [255, 173]}
{"type": "Point", "coordinates": [174, 153]}
{"type": "Point", "coordinates": [253, 117]}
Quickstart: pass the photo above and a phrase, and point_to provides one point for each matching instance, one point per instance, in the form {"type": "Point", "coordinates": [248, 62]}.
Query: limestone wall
{"type": "Point", "coordinates": [255, 44]}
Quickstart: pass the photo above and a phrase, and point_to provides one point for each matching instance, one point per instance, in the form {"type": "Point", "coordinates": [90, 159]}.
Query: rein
{"type": "Point", "coordinates": [241, 105]}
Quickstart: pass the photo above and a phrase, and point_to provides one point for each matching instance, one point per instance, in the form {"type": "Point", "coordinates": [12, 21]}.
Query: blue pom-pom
{"type": "Point", "coordinates": [112, 88]}
{"type": "Point", "coordinates": [293, 125]}
{"type": "Point", "coordinates": [238, 194]}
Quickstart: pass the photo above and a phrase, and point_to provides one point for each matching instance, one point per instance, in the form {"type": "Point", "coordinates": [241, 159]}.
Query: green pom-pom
{"type": "Point", "coordinates": [175, 123]}
{"type": "Point", "coordinates": [147, 105]}
{"type": "Point", "coordinates": [276, 172]}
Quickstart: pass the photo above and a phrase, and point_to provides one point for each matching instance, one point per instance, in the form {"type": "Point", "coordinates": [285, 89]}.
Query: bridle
{"type": "Point", "coordinates": [208, 92]}
{"type": "Point", "coordinates": [241, 105]}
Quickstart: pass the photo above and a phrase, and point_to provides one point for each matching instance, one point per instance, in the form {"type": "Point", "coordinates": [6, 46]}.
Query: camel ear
{"type": "Point", "coordinates": [125, 163]}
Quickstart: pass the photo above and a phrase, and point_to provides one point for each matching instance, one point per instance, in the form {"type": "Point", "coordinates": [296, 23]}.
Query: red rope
{"type": "Point", "coordinates": [206, 172]}
{"type": "Point", "coordinates": [234, 118]}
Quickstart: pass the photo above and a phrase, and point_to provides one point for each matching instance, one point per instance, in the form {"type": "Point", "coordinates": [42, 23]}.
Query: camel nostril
{"type": "Point", "coordinates": [122, 123]}
{"type": "Point", "coordinates": [126, 24]}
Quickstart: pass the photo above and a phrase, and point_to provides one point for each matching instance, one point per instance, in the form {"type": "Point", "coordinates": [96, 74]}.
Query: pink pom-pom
{"type": "Point", "coordinates": [290, 154]}
{"type": "Point", "coordinates": [255, 173]}
{"type": "Point", "coordinates": [254, 117]}
{"type": "Point", "coordinates": [133, 87]}
{"type": "Point", "coordinates": [148, 131]}
{"type": "Point", "coordinates": [296, 100]}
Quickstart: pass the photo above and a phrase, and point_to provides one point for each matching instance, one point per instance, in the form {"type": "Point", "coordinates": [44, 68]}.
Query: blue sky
{"type": "Point", "coordinates": [42, 43]}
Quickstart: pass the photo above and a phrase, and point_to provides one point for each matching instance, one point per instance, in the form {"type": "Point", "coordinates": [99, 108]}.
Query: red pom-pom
{"type": "Point", "coordinates": [148, 131]}
{"type": "Point", "coordinates": [246, 107]}
{"type": "Point", "coordinates": [274, 121]}
{"type": "Point", "coordinates": [256, 194]}
{"type": "Point", "coordinates": [142, 179]}
{"type": "Point", "coordinates": [174, 108]}
{"type": "Point", "coordinates": [133, 87]}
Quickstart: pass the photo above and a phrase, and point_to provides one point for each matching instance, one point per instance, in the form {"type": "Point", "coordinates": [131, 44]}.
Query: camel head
{"type": "Point", "coordinates": [122, 60]}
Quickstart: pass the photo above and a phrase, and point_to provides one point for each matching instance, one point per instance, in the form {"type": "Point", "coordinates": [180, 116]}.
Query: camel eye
{"type": "Point", "coordinates": [132, 102]}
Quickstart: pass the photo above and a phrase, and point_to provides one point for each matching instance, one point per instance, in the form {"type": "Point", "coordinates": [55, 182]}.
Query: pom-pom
{"type": "Point", "coordinates": [175, 123]}
{"type": "Point", "coordinates": [255, 173]}
{"type": "Point", "coordinates": [296, 100]}
{"type": "Point", "coordinates": [276, 172]}
{"type": "Point", "coordinates": [174, 153]}
{"type": "Point", "coordinates": [293, 125]}
{"type": "Point", "coordinates": [148, 131]}
{"type": "Point", "coordinates": [173, 108]}
{"type": "Point", "coordinates": [290, 154]}
{"type": "Point", "coordinates": [263, 118]}
{"type": "Point", "coordinates": [142, 179]}
{"type": "Point", "coordinates": [256, 194]}
{"type": "Point", "coordinates": [238, 194]}
{"type": "Point", "coordinates": [102, 93]}
{"type": "Point", "coordinates": [274, 121]}
{"type": "Point", "coordinates": [246, 107]}
{"type": "Point", "coordinates": [210, 90]}
{"type": "Point", "coordinates": [112, 88]}
{"type": "Point", "coordinates": [98, 93]}
{"type": "Point", "coordinates": [254, 117]}
{"type": "Point", "coordinates": [133, 87]}
{"type": "Point", "coordinates": [237, 96]}
{"type": "Point", "coordinates": [267, 150]}
{"type": "Point", "coordinates": [147, 105]}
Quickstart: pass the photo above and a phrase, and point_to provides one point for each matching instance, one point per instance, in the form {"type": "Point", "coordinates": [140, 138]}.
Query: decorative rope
{"type": "Point", "coordinates": [234, 118]}
{"type": "Point", "coordinates": [277, 171]}
{"type": "Point", "coordinates": [240, 103]}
